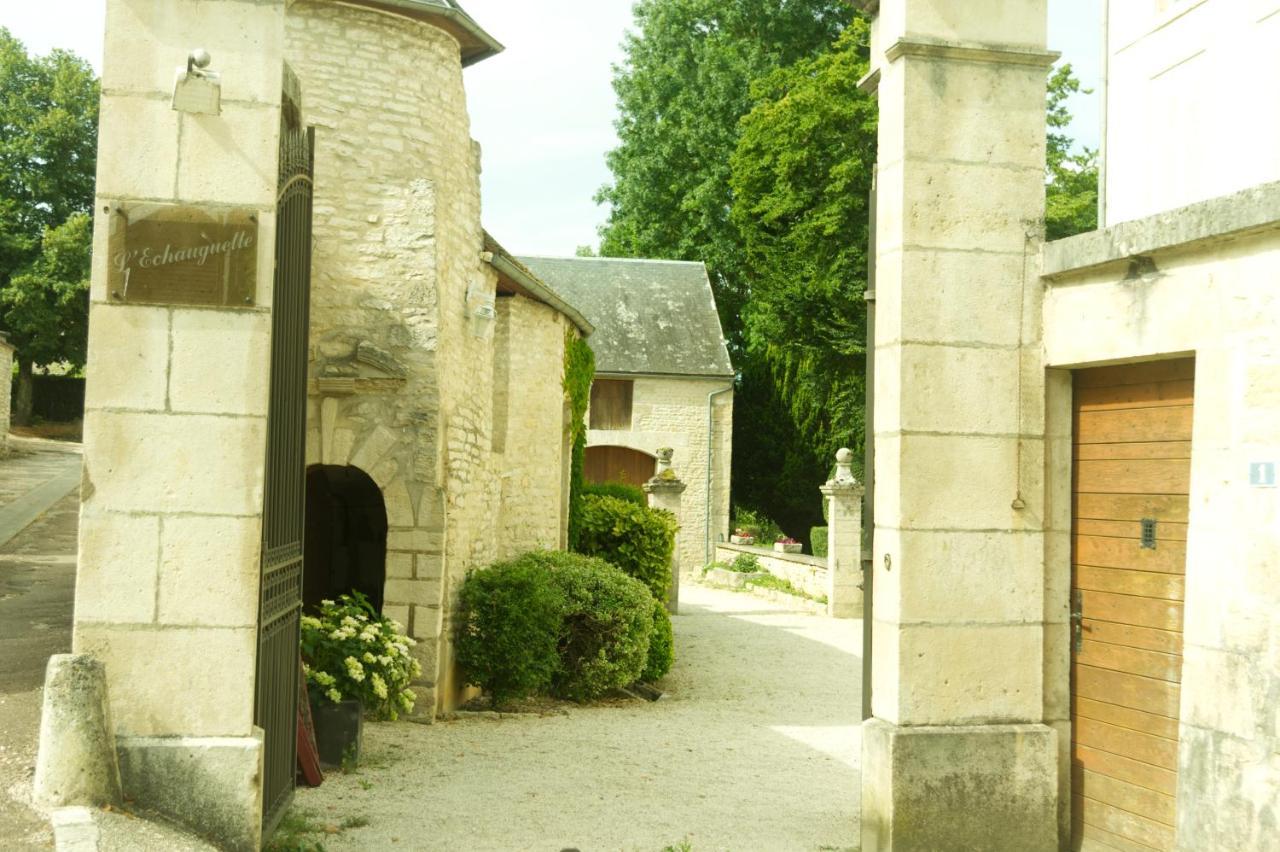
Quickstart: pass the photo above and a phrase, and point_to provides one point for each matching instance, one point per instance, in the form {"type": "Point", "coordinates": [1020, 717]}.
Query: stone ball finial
{"type": "Point", "coordinates": [665, 455]}
{"type": "Point", "coordinates": [844, 466]}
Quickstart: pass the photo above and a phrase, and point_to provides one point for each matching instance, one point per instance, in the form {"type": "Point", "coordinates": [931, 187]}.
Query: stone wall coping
{"type": "Point", "coordinates": [1251, 211]}
{"type": "Point", "coordinates": [798, 558]}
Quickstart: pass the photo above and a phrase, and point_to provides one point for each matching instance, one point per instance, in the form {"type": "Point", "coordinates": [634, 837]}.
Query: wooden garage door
{"type": "Point", "coordinates": [617, 464]}
{"type": "Point", "coordinates": [1131, 481]}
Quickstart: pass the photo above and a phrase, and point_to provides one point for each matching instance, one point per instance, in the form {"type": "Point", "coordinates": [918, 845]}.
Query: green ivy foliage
{"type": "Point", "coordinates": [637, 539]}
{"type": "Point", "coordinates": [662, 652]}
{"type": "Point", "coordinates": [579, 373]}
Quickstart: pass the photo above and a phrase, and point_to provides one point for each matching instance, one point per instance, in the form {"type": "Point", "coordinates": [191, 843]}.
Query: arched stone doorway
{"type": "Point", "coordinates": [617, 464]}
{"type": "Point", "coordinates": [346, 542]}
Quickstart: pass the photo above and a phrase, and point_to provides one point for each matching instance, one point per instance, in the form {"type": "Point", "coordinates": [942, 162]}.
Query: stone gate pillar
{"type": "Point", "coordinates": [843, 494]}
{"type": "Point", "coordinates": [167, 588]}
{"type": "Point", "coordinates": [957, 755]}
{"type": "Point", "coordinates": [665, 490]}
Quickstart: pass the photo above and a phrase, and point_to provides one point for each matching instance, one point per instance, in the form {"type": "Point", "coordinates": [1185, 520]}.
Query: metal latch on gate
{"type": "Point", "coordinates": [1077, 619]}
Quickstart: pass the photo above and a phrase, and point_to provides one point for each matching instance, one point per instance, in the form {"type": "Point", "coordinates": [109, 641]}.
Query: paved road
{"type": "Point", "coordinates": [39, 510]}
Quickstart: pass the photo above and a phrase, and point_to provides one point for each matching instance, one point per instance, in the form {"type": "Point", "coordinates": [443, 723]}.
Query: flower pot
{"type": "Point", "coordinates": [787, 548]}
{"type": "Point", "coordinates": [338, 731]}
{"type": "Point", "coordinates": [742, 539]}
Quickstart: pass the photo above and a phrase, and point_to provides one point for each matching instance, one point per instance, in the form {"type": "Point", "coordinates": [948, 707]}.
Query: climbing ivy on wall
{"type": "Point", "coordinates": [579, 373]}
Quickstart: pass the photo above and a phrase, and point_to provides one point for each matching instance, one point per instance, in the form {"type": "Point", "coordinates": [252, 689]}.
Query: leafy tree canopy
{"type": "Point", "coordinates": [801, 178]}
{"type": "Point", "coordinates": [684, 86]}
{"type": "Point", "coordinates": [48, 150]}
{"type": "Point", "coordinates": [1071, 187]}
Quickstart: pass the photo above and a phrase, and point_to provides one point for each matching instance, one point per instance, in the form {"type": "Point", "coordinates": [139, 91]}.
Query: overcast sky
{"type": "Point", "coordinates": [543, 110]}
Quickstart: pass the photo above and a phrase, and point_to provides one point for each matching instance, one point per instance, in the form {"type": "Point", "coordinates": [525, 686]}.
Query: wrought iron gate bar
{"type": "Point", "coordinates": [284, 498]}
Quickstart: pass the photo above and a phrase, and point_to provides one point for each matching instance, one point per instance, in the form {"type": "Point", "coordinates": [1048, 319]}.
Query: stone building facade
{"type": "Point", "coordinates": [436, 427]}
{"type": "Point", "coordinates": [1075, 610]}
{"type": "Point", "coordinates": [414, 373]}
{"type": "Point", "coordinates": [663, 371]}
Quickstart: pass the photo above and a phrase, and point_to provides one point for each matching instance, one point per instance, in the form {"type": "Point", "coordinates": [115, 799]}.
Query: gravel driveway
{"type": "Point", "coordinates": [756, 748]}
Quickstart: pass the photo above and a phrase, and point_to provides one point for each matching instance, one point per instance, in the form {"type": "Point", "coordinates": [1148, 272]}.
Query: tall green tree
{"type": "Point", "coordinates": [801, 178]}
{"type": "Point", "coordinates": [682, 91]}
{"type": "Point", "coordinates": [48, 147]}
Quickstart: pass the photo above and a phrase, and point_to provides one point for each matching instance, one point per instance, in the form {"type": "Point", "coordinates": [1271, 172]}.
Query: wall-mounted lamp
{"type": "Point", "coordinates": [481, 311]}
{"type": "Point", "coordinates": [196, 89]}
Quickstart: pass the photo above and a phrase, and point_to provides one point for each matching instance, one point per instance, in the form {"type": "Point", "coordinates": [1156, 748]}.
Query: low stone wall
{"type": "Point", "coordinates": [807, 573]}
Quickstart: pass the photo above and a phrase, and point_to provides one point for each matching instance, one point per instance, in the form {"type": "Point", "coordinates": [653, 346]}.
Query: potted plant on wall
{"type": "Point", "coordinates": [742, 536]}
{"type": "Point", "coordinates": [357, 663]}
{"type": "Point", "coordinates": [787, 545]}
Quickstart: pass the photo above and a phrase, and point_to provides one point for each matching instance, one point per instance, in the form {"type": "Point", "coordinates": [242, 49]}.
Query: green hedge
{"type": "Point", "coordinates": [605, 633]}
{"type": "Point", "coordinates": [620, 490]}
{"type": "Point", "coordinates": [509, 626]}
{"type": "Point", "coordinates": [636, 539]}
{"type": "Point", "coordinates": [557, 623]}
{"type": "Point", "coordinates": [818, 538]}
{"type": "Point", "coordinates": [662, 651]}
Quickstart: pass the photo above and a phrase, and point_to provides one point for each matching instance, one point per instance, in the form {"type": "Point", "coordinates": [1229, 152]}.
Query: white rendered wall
{"type": "Point", "coordinates": [1191, 102]}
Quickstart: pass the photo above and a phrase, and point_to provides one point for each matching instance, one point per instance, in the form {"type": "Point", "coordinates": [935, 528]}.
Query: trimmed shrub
{"type": "Point", "coordinates": [818, 537]}
{"type": "Point", "coordinates": [509, 628]}
{"type": "Point", "coordinates": [558, 623]}
{"type": "Point", "coordinates": [605, 630]}
{"type": "Point", "coordinates": [620, 490]}
{"type": "Point", "coordinates": [637, 539]}
{"type": "Point", "coordinates": [662, 652]}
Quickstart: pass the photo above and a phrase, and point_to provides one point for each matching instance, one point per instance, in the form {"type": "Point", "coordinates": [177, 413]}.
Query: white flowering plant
{"type": "Point", "coordinates": [349, 651]}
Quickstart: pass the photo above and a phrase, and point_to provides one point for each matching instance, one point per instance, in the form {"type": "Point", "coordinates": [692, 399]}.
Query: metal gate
{"type": "Point", "coordinates": [284, 500]}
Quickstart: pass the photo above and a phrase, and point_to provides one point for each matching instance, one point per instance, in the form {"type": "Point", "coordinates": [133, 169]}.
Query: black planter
{"type": "Point", "coordinates": [338, 731]}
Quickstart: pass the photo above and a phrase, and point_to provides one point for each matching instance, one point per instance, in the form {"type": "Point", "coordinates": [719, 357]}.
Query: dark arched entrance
{"type": "Point", "coordinates": [346, 543]}
{"type": "Point", "coordinates": [617, 464]}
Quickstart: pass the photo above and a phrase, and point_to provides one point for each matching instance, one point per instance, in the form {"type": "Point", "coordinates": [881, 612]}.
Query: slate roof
{"type": "Point", "coordinates": [651, 316]}
{"type": "Point", "coordinates": [476, 44]}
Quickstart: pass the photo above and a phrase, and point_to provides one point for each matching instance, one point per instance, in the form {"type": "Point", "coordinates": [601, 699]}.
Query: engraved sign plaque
{"type": "Point", "coordinates": [163, 254]}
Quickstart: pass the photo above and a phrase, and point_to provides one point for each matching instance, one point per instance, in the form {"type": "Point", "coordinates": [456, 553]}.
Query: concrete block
{"type": "Point", "coordinates": [117, 567]}
{"type": "Point", "coordinates": [128, 357]}
{"type": "Point", "coordinates": [420, 592]}
{"type": "Point", "coordinates": [983, 22]}
{"type": "Point", "coordinates": [75, 830]}
{"type": "Point", "coordinates": [969, 674]}
{"type": "Point", "coordinates": [76, 763]}
{"type": "Point", "coordinates": [245, 41]}
{"type": "Point", "coordinates": [955, 297]}
{"type": "Point", "coordinates": [142, 159]}
{"type": "Point", "coordinates": [400, 566]}
{"type": "Point", "coordinates": [210, 785]}
{"type": "Point", "coordinates": [221, 361]}
{"type": "Point", "coordinates": [211, 669]}
{"type": "Point", "coordinates": [957, 389]}
{"type": "Point", "coordinates": [978, 112]}
{"type": "Point", "coordinates": [926, 789]}
{"type": "Point", "coordinates": [970, 576]}
{"type": "Point", "coordinates": [209, 571]}
{"type": "Point", "coordinates": [971, 207]}
{"type": "Point", "coordinates": [231, 158]}
{"type": "Point", "coordinates": [167, 463]}
{"type": "Point", "coordinates": [966, 482]}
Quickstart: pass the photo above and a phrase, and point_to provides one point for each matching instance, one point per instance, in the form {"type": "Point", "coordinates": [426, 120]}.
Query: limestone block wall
{"type": "Point", "coordinates": [176, 398]}
{"type": "Point", "coordinates": [807, 573]}
{"type": "Point", "coordinates": [530, 426]}
{"type": "Point", "coordinates": [1215, 300]}
{"type": "Point", "coordinates": [1184, 123]}
{"type": "Point", "coordinates": [672, 412]}
{"type": "Point", "coordinates": [6, 389]}
{"type": "Point", "coordinates": [397, 276]}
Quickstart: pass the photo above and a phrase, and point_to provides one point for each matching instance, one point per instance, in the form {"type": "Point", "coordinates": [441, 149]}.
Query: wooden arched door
{"type": "Point", "coordinates": [618, 464]}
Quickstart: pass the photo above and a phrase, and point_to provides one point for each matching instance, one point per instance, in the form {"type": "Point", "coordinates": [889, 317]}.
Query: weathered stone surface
{"type": "Point", "coordinates": [925, 789]}
{"type": "Point", "coordinates": [240, 343]}
{"type": "Point", "coordinates": [206, 560]}
{"type": "Point", "coordinates": [118, 567]}
{"type": "Point", "coordinates": [76, 764]}
{"type": "Point", "coordinates": [211, 785]}
{"type": "Point", "coordinates": [128, 358]}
